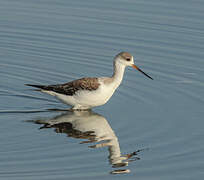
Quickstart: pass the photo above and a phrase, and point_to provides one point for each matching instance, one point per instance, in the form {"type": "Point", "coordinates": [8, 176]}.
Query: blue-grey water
{"type": "Point", "coordinates": [148, 129]}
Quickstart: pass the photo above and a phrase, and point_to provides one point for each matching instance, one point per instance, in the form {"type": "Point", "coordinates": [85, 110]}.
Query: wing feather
{"type": "Point", "coordinates": [72, 87]}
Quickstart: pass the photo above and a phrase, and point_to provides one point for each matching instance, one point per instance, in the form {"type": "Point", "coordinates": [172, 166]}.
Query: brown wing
{"type": "Point", "coordinates": [72, 87]}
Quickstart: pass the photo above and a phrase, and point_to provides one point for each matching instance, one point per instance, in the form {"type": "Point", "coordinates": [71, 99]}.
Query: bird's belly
{"type": "Point", "coordinates": [93, 98]}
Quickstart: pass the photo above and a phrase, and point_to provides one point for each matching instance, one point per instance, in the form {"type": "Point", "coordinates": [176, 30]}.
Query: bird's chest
{"type": "Point", "coordinates": [106, 91]}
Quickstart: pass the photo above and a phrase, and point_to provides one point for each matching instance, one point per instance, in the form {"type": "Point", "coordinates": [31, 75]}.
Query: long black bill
{"type": "Point", "coordinates": [134, 66]}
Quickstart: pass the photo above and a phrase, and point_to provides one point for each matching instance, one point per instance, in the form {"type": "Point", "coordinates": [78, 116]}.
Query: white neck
{"type": "Point", "coordinates": [118, 73]}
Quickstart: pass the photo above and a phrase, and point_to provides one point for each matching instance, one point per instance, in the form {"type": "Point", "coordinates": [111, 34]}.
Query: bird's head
{"type": "Point", "coordinates": [127, 59]}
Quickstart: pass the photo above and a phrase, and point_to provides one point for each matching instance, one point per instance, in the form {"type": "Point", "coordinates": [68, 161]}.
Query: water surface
{"type": "Point", "coordinates": [148, 130]}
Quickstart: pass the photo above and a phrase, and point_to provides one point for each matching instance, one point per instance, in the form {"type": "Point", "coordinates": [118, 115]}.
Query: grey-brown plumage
{"type": "Point", "coordinates": [72, 87]}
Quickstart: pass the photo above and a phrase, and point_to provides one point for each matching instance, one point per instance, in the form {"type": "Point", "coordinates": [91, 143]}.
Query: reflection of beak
{"type": "Point", "coordinates": [134, 66]}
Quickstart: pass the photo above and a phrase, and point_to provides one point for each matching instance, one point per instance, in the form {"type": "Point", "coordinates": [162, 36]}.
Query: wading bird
{"type": "Point", "coordinates": [89, 92]}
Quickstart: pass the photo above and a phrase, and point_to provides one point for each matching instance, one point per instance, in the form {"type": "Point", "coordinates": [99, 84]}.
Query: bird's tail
{"type": "Point", "coordinates": [37, 86]}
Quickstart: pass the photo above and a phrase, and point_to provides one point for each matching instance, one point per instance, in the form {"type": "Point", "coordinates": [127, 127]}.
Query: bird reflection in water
{"type": "Point", "coordinates": [92, 128]}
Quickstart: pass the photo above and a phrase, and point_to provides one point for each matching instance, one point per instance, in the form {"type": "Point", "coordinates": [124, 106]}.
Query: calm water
{"type": "Point", "coordinates": [148, 130]}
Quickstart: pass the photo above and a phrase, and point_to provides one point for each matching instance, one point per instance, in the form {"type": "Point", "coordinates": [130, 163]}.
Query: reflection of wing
{"type": "Point", "coordinates": [67, 128]}
{"type": "Point", "coordinates": [92, 127]}
{"type": "Point", "coordinates": [72, 87]}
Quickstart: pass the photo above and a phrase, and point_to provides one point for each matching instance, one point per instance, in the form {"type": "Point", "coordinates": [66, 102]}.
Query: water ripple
{"type": "Point", "coordinates": [58, 41]}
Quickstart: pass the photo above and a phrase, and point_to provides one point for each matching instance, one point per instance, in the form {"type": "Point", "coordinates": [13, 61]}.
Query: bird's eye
{"type": "Point", "coordinates": [128, 59]}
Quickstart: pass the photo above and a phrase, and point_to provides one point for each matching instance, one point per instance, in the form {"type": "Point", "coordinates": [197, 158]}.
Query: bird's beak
{"type": "Point", "coordinates": [134, 66]}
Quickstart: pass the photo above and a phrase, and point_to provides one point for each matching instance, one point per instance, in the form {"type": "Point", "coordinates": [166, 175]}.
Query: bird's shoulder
{"type": "Point", "coordinates": [106, 80]}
